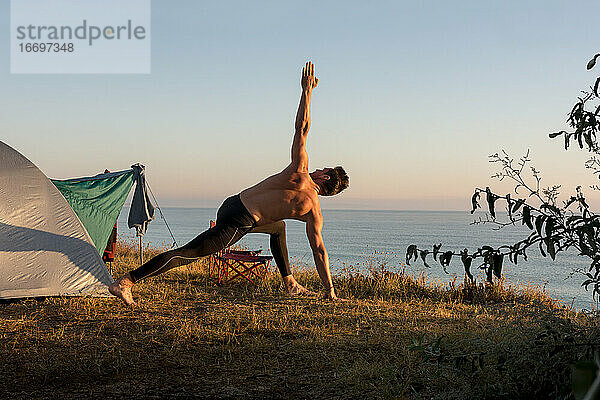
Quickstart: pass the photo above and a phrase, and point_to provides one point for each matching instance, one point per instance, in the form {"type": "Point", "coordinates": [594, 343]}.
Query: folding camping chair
{"type": "Point", "coordinates": [111, 248]}
{"type": "Point", "coordinates": [214, 263]}
{"type": "Point", "coordinates": [229, 264]}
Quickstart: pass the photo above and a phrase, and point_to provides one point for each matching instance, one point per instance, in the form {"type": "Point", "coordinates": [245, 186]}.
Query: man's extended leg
{"type": "Point", "coordinates": [208, 242]}
{"type": "Point", "coordinates": [233, 222]}
{"type": "Point", "coordinates": [279, 251]}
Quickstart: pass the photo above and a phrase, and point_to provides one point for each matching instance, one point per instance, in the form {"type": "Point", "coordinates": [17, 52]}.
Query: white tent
{"type": "Point", "coordinates": [44, 248]}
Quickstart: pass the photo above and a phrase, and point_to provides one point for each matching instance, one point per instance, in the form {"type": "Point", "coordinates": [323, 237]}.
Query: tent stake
{"type": "Point", "coordinates": [141, 253]}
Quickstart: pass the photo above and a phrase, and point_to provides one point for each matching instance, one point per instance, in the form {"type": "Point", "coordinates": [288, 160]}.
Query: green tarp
{"type": "Point", "coordinates": [97, 201]}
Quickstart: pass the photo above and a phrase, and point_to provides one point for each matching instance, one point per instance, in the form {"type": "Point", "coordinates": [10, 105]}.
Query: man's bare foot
{"type": "Point", "coordinates": [122, 289]}
{"type": "Point", "coordinates": [293, 288]}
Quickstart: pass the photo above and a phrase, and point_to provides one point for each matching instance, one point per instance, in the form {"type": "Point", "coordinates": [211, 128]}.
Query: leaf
{"type": "Point", "coordinates": [539, 222]}
{"type": "Point", "coordinates": [585, 250]}
{"type": "Point", "coordinates": [490, 268]}
{"type": "Point", "coordinates": [595, 263]}
{"type": "Point", "coordinates": [423, 255]}
{"type": "Point", "coordinates": [555, 134]}
{"type": "Point", "coordinates": [591, 63]}
{"type": "Point", "coordinates": [549, 227]}
{"type": "Point", "coordinates": [589, 231]}
{"type": "Point", "coordinates": [410, 252]}
{"type": "Point", "coordinates": [467, 260]}
{"type": "Point", "coordinates": [498, 260]}
{"type": "Point", "coordinates": [491, 200]}
{"type": "Point", "coordinates": [575, 112]}
{"type": "Point", "coordinates": [542, 250]}
{"type": "Point", "coordinates": [513, 253]}
{"type": "Point", "coordinates": [509, 204]}
{"type": "Point", "coordinates": [588, 140]}
{"type": "Point", "coordinates": [596, 86]}
{"type": "Point", "coordinates": [518, 205]}
{"type": "Point", "coordinates": [474, 202]}
{"type": "Point", "coordinates": [436, 250]}
{"type": "Point", "coordinates": [526, 217]}
{"type": "Point", "coordinates": [550, 247]}
{"type": "Point", "coordinates": [445, 258]}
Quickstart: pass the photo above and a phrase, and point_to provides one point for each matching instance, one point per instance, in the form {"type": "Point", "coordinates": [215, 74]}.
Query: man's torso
{"type": "Point", "coordinates": [287, 195]}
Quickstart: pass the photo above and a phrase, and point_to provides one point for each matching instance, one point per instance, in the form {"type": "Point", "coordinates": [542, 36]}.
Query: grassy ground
{"type": "Point", "coordinates": [399, 337]}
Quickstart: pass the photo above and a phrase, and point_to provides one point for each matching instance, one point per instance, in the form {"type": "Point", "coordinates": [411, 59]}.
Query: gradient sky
{"type": "Point", "coordinates": [412, 98]}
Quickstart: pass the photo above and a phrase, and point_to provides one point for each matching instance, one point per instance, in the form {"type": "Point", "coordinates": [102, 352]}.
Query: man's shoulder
{"type": "Point", "coordinates": [295, 169]}
{"type": "Point", "coordinates": [294, 176]}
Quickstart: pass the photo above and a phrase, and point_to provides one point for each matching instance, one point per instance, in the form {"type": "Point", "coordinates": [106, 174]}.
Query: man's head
{"type": "Point", "coordinates": [331, 181]}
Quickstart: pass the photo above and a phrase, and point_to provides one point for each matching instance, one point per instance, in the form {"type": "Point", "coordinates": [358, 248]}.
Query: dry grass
{"type": "Point", "coordinates": [399, 337]}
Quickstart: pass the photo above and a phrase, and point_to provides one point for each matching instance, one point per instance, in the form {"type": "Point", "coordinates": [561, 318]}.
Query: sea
{"type": "Point", "coordinates": [367, 240]}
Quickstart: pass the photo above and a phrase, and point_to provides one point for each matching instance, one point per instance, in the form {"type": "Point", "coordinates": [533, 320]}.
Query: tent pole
{"type": "Point", "coordinates": [141, 253]}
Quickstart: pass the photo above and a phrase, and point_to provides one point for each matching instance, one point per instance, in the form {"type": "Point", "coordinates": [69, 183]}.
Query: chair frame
{"type": "Point", "coordinates": [229, 264]}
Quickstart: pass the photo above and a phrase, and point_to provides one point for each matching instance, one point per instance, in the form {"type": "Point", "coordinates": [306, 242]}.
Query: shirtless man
{"type": "Point", "coordinates": [291, 194]}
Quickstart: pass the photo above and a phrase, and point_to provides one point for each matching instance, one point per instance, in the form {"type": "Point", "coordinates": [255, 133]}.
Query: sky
{"type": "Point", "coordinates": [413, 96]}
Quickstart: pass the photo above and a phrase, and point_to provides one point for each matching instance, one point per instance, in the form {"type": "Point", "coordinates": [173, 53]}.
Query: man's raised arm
{"type": "Point", "coordinates": [308, 83]}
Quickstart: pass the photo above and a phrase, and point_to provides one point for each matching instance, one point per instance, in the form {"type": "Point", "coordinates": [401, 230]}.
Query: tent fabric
{"type": "Point", "coordinates": [142, 210]}
{"type": "Point", "coordinates": [44, 248]}
{"type": "Point", "coordinates": [97, 201]}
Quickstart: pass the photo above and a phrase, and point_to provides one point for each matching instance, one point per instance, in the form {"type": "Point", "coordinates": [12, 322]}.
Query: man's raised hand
{"type": "Point", "coordinates": [308, 81]}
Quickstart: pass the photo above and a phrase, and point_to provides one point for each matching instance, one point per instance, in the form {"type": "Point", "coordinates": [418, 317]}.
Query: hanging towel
{"type": "Point", "coordinates": [142, 210]}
